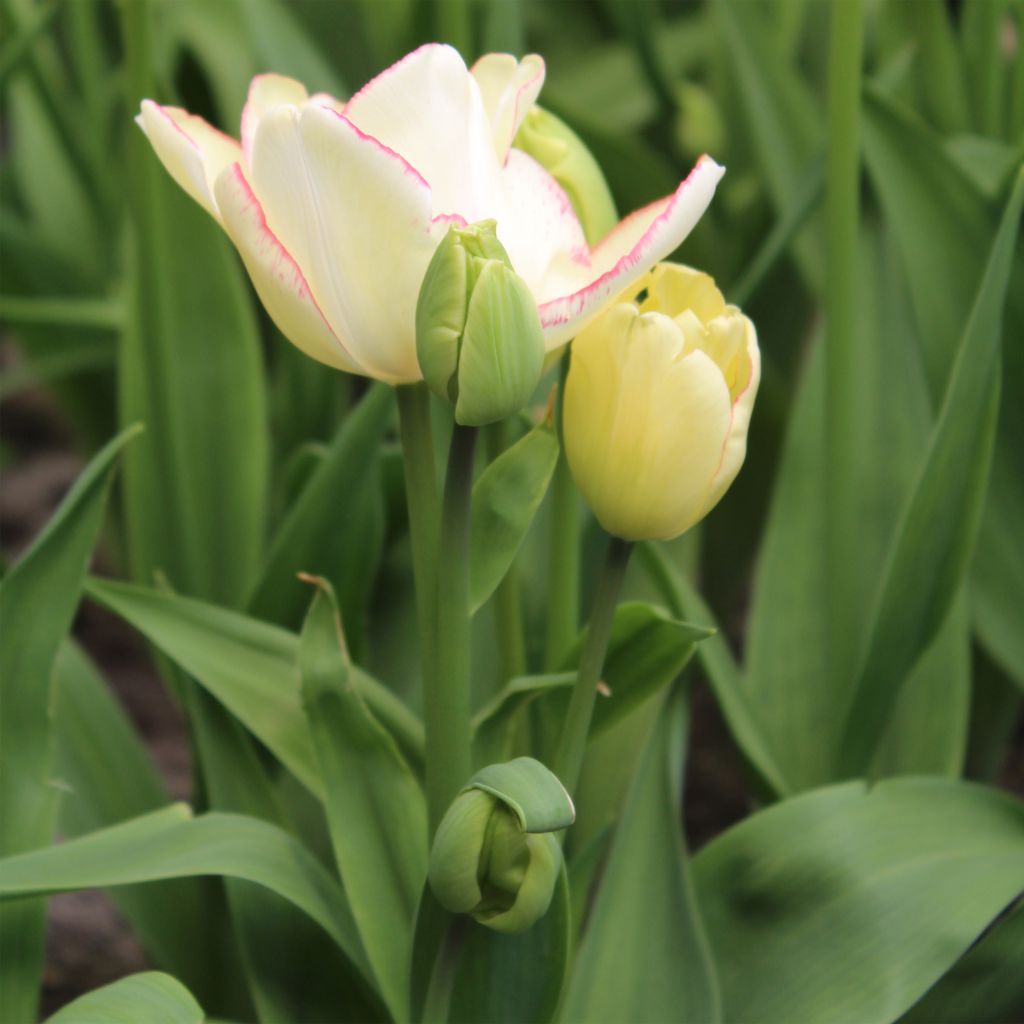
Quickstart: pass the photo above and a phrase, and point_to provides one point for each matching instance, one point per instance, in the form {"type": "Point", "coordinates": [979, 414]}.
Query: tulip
{"type": "Point", "coordinates": [495, 855]}
{"type": "Point", "coordinates": [657, 404]}
{"type": "Point", "coordinates": [478, 338]}
{"type": "Point", "coordinates": [336, 208]}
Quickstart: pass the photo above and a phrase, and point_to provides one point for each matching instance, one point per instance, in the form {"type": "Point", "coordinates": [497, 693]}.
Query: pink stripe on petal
{"type": "Point", "coordinates": [668, 222]}
{"type": "Point", "coordinates": [294, 307]}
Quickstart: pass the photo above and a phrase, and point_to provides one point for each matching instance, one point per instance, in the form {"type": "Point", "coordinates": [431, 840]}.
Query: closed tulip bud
{"type": "Point", "coordinates": [478, 335]}
{"type": "Point", "coordinates": [561, 152]}
{"type": "Point", "coordinates": [494, 855]}
{"type": "Point", "coordinates": [657, 404]}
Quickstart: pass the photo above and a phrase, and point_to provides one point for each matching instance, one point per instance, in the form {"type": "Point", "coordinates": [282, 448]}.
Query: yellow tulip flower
{"type": "Point", "coordinates": [657, 404]}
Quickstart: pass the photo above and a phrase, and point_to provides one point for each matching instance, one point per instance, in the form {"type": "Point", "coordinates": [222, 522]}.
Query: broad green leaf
{"type": "Point", "coordinates": [986, 984]}
{"type": "Point", "coordinates": [514, 979]}
{"type": "Point", "coordinates": [646, 901]}
{"type": "Point", "coordinates": [720, 667]}
{"type": "Point", "coordinates": [108, 778]}
{"type": "Point", "coordinates": [505, 501]}
{"type": "Point", "coordinates": [190, 366]}
{"type": "Point", "coordinates": [930, 553]}
{"type": "Point", "coordinates": [885, 888]}
{"type": "Point", "coordinates": [320, 534]}
{"type": "Point", "coordinates": [782, 116]}
{"type": "Point", "coordinates": [938, 67]}
{"type": "Point", "coordinates": [797, 696]}
{"type": "Point", "coordinates": [945, 229]}
{"type": "Point", "coordinates": [375, 806]}
{"type": "Point", "coordinates": [150, 996]}
{"type": "Point", "coordinates": [249, 666]}
{"type": "Point", "coordinates": [38, 598]}
{"type": "Point", "coordinates": [172, 844]}
{"type": "Point", "coordinates": [646, 651]}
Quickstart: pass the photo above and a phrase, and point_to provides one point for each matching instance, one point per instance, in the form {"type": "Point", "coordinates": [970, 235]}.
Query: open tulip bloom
{"type": "Point", "coordinates": [336, 208]}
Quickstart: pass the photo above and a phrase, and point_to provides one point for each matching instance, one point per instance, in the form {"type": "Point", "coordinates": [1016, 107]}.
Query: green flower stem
{"type": "Point", "coordinates": [508, 609]}
{"type": "Point", "coordinates": [569, 759]}
{"type": "Point", "coordinates": [422, 502]}
{"type": "Point", "coordinates": [448, 706]}
{"type": "Point", "coordinates": [564, 554]}
{"type": "Point", "coordinates": [842, 192]}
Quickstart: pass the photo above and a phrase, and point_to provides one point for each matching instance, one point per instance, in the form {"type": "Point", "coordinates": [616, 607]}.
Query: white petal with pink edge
{"type": "Point", "coordinates": [428, 107]}
{"type": "Point", "coordinates": [357, 218]}
{"type": "Point", "coordinates": [630, 250]}
{"type": "Point", "coordinates": [509, 88]}
{"type": "Point", "coordinates": [265, 93]}
{"type": "Point", "coordinates": [193, 152]}
{"type": "Point", "coordinates": [539, 228]}
{"type": "Point", "coordinates": [277, 278]}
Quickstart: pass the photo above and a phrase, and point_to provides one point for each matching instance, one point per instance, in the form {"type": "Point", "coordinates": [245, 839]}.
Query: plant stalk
{"type": "Point", "coordinates": [846, 44]}
{"type": "Point", "coordinates": [569, 759]}
{"type": "Point", "coordinates": [421, 498]}
{"type": "Point", "coordinates": [564, 553]}
{"type": "Point", "coordinates": [448, 705]}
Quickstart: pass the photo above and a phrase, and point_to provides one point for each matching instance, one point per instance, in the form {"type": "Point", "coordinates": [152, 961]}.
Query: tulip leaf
{"type": "Point", "coordinates": [886, 888]}
{"type": "Point", "coordinates": [782, 117]}
{"type": "Point", "coordinates": [150, 996]}
{"type": "Point", "coordinates": [190, 367]}
{"type": "Point", "coordinates": [944, 230]}
{"type": "Point", "coordinates": [249, 666]}
{"type": "Point", "coordinates": [110, 778]}
{"type": "Point", "coordinates": [320, 533]}
{"type": "Point", "coordinates": [985, 984]}
{"type": "Point", "coordinates": [531, 790]}
{"type": "Point", "coordinates": [796, 694]}
{"type": "Point", "coordinates": [930, 553]}
{"type": "Point", "coordinates": [720, 667]}
{"type": "Point", "coordinates": [514, 979]}
{"type": "Point", "coordinates": [505, 501]}
{"type": "Point", "coordinates": [38, 598]}
{"type": "Point", "coordinates": [170, 843]}
{"type": "Point", "coordinates": [375, 807]}
{"type": "Point", "coordinates": [646, 651]}
{"type": "Point", "coordinates": [646, 901]}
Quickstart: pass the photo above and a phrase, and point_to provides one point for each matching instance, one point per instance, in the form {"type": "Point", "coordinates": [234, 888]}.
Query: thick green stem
{"type": "Point", "coordinates": [563, 555]}
{"type": "Point", "coordinates": [448, 707]}
{"type": "Point", "coordinates": [508, 609]}
{"type": "Point", "coordinates": [842, 194]}
{"type": "Point", "coordinates": [569, 759]}
{"type": "Point", "coordinates": [421, 499]}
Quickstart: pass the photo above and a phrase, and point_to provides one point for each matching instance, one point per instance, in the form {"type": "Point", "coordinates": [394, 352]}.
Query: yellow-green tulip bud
{"type": "Point", "coordinates": [494, 855]}
{"type": "Point", "coordinates": [561, 152]}
{"type": "Point", "coordinates": [478, 333]}
{"type": "Point", "coordinates": [657, 404]}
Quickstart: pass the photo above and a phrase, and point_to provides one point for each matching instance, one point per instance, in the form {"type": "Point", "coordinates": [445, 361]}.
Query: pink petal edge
{"type": "Point", "coordinates": [299, 281]}
{"type": "Point", "coordinates": [572, 305]}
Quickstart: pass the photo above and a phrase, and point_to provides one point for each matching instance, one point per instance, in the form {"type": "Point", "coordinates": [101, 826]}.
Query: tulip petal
{"type": "Point", "coordinates": [509, 88]}
{"type": "Point", "coordinates": [735, 448]}
{"type": "Point", "coordinates": [278, 279]}
{"type": "Point", "coordinates": [356, 217]}
{"type": "Point", "coordinates": [193, 152]}
{"type": "Point", "coordinates": [539, 228]}
{"type": "Point", "coordinates": [428, 107]}
{"type": "Point", "coordinates": [646, 424]}
{"type": "Point", "coordinates": [630, 250]}
{"type": "Point", "coordinates": [265, 93]}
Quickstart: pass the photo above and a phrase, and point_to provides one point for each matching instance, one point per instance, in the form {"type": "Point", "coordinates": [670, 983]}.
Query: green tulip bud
{"type": "Point", "coordinates": [561, 152]}
{"type": "Point", "coordinates": [478, 334]}
{"type": "Point", "coordinates": [495, 855]}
